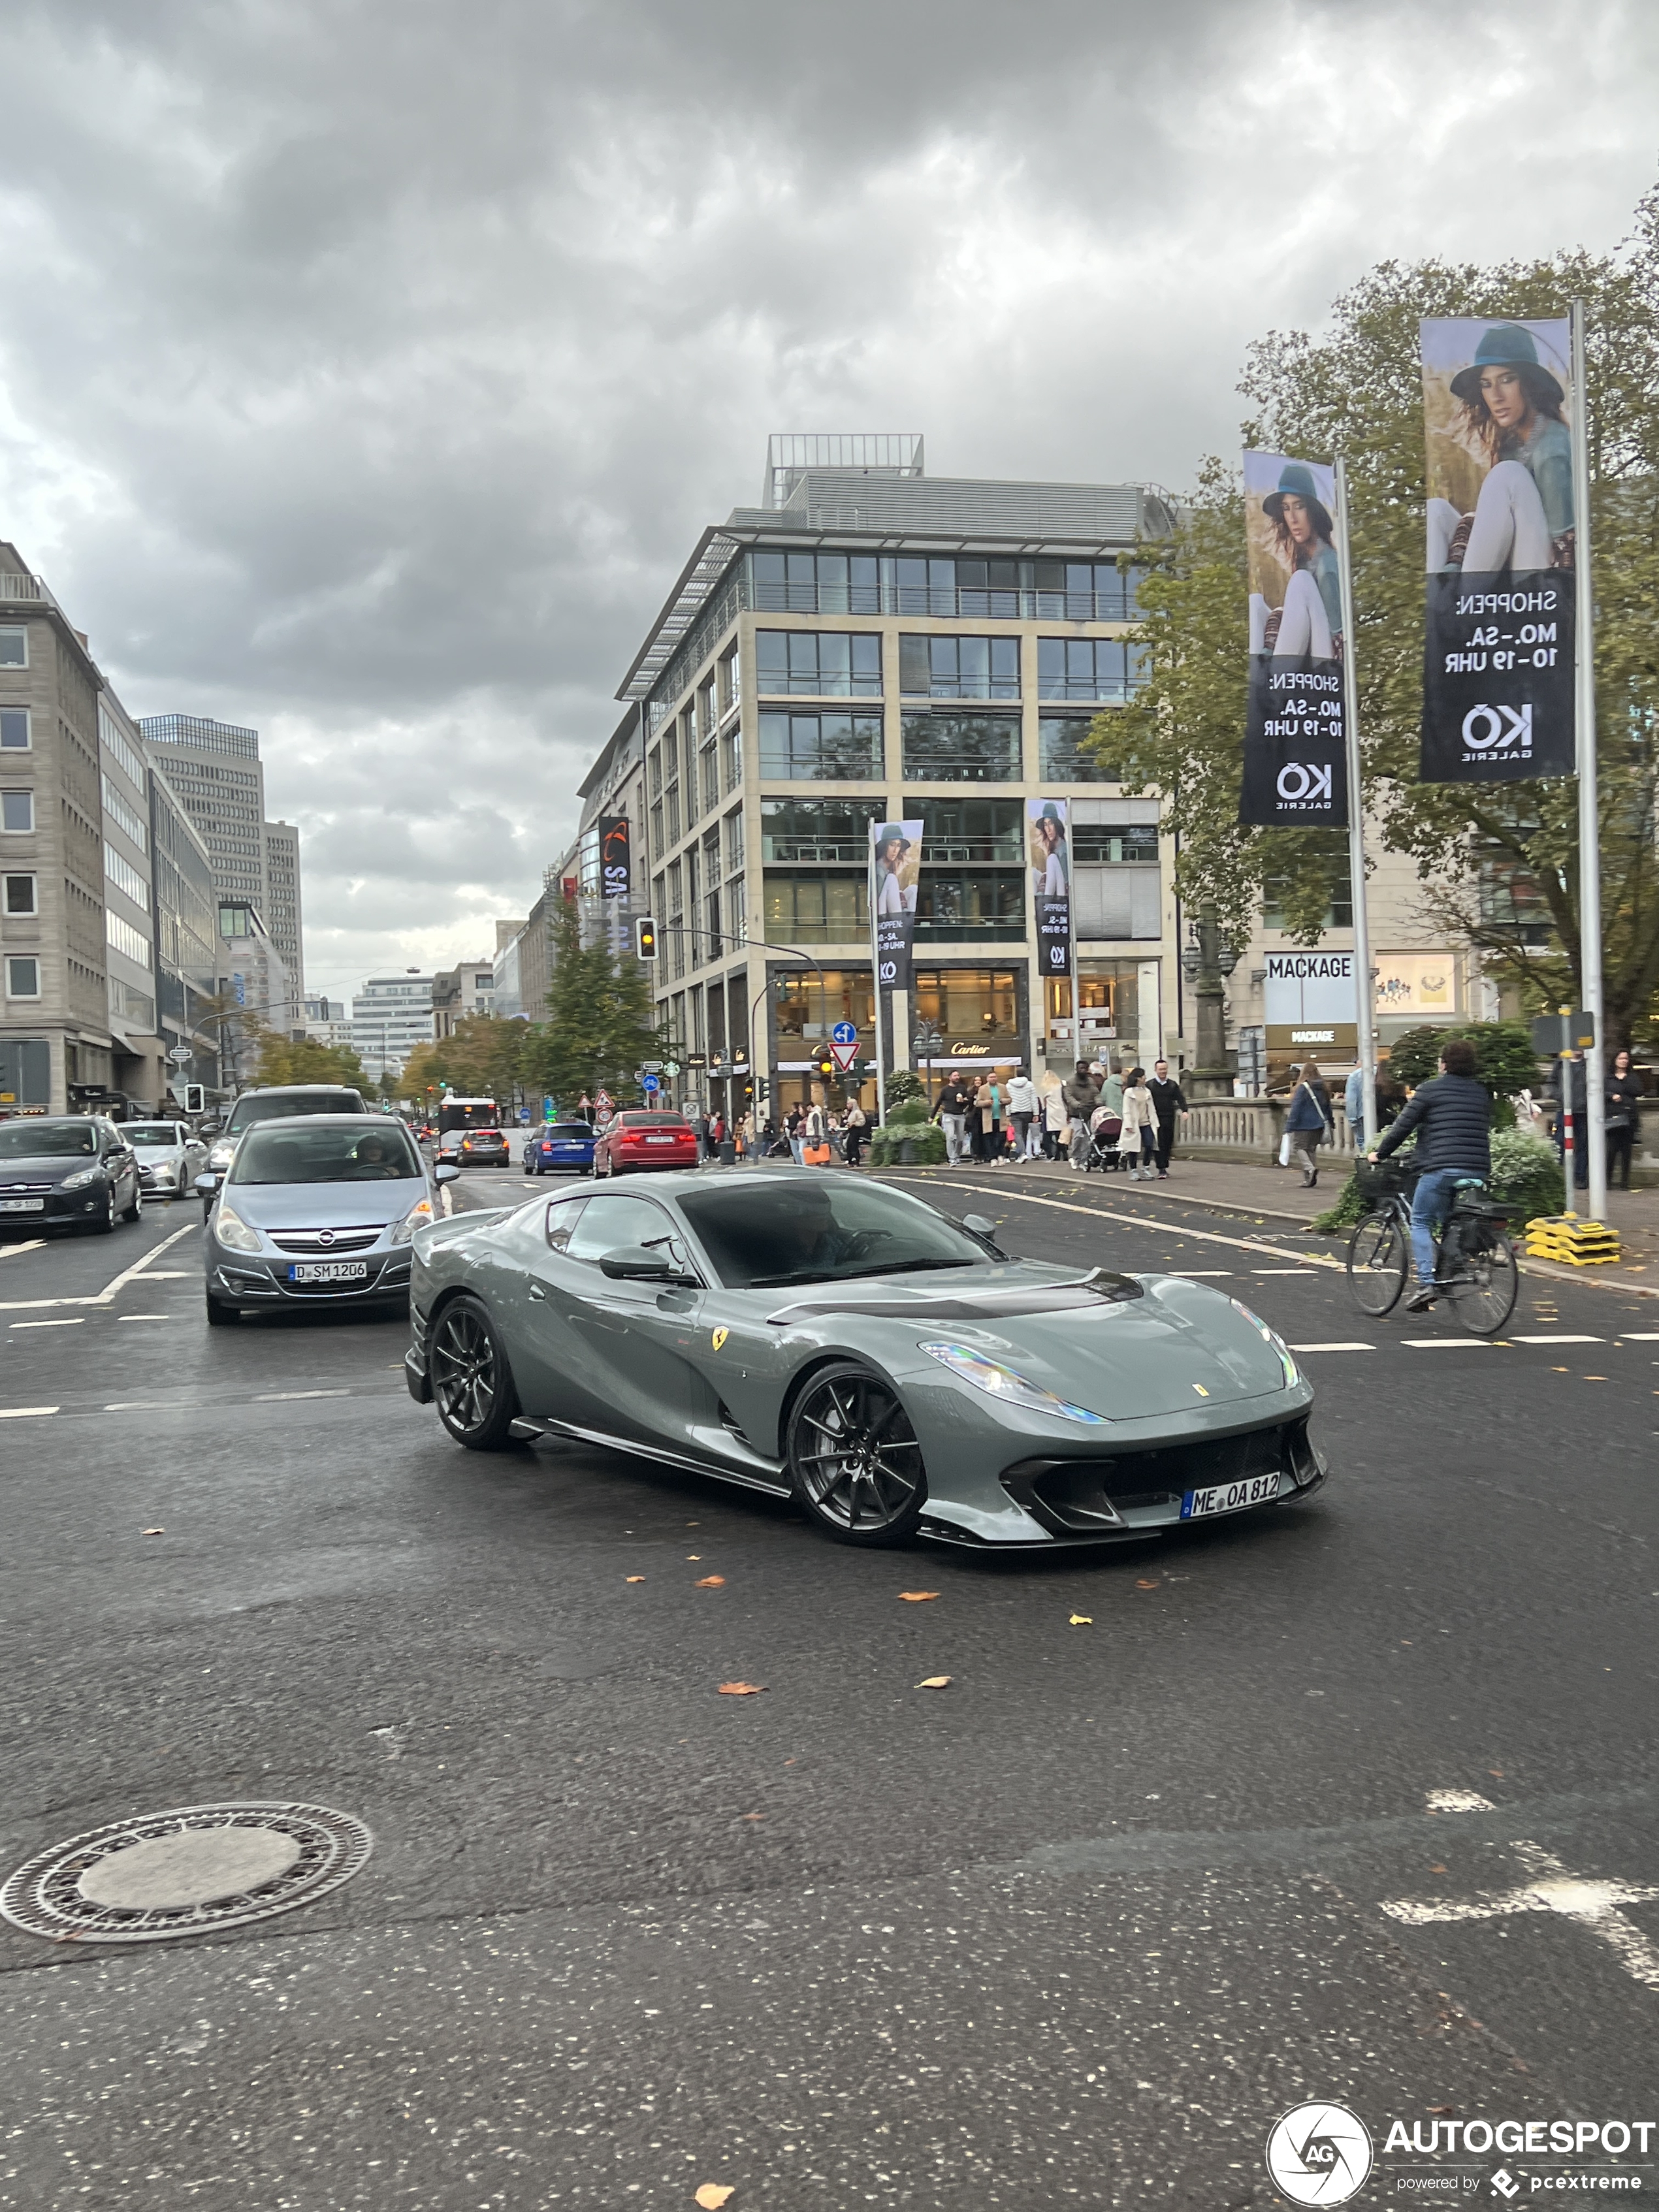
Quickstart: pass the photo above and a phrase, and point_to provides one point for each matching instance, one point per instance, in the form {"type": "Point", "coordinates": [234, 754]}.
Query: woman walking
{"type": "Point", "coordinates": [1624, 1112]}
{"type": "Point", "coordinates": [1055, 1120]}
{"type": "Point", "coordinates": [856, 1125]}
{"type": "Point", "coordinates": [1022, 1109]}
{"type": "Point", "coordinates": [1308, 1122]}
{"type": "Point", "coordinates": [1137, 1141]}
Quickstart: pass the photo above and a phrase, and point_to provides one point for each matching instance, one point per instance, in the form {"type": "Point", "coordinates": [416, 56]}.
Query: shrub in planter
{"type": "Point", "coordinates": [909, 1136]}
{"type": "Point", "coordinates": [1526, 1176]}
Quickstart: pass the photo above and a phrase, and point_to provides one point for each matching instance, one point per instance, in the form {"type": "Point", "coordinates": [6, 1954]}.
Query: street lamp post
{"type": "Point", "coordinates": [1208, 957]}
{"type": "Point", "coordinates": [924, 1045]}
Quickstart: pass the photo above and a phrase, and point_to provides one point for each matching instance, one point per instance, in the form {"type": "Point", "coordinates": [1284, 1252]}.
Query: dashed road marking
{"type": "Point", "coordinates": [71, 1320]}
{"type": "Point", "coordinates": [1334, 1347]}
{"type": "Point", "coordinates": [273, 1397]}
{"type": "Point", "coordinates": [30, 1244]}
{"type": "Point", "coordinates": [1559, 1340]}
{"type": "Point", "coordinates": [1448, 1343]}
{"type": "Point", "coordinates": [25, 1413]}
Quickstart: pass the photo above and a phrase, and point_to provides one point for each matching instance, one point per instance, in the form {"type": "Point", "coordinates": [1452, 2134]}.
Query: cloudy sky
{"type": "Point", "coordinates": [367, 367]}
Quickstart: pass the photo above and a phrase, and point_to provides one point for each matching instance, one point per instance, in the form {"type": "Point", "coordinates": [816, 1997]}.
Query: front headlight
{"type": "Point", "coordinates": [1288, 1367]}
{"type": "Point", "coordinates": [1012, 1389]}
{"type": "Point", "coordinates": [80, 1179]}
{"type": "Point", "coordinates": [230, 1229]}
{"type": "Point", "coordinates": [416, 1217]}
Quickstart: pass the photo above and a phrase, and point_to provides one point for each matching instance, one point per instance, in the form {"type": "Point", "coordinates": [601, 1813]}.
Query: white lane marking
{"type": "Point", "coordinates": [1333, 1348]}
{"type": "Point", "coordinates": [1558, 1340]}
{"type": "Point", "coordinates": [1448, 1343]}
{"type": "Point", "coordinates": [27, 1324]}
{"type": "Point", "coordinates": [271, 1397]}
{"type": "Point", "coordinates": [1280, 1270]}
{"type": "Point", "coordinates": [74, 1320]}
{"type": "Point", "coordinates": [1205, 1275]}
{"type": "Point", "coordinates": [111, 1290]}
{"type": "Point", "coordinates": [1159, 1228]}
{"type": "Point", "coordinates": [33, 1244]}
{"type": "Point", "coordinates": [1640, 1336]}
{"type": "Point", "coordinates": [1592, 1905]}
{"type": "Point", "coordinates": [1459, 1801]}
{"type": "Point", "coordinates": [170, 1275]}
{"type": "Point", "coordinates": [24, 1413]}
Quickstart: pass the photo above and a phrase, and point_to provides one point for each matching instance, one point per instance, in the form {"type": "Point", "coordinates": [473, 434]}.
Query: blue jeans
{"type": "Point", "coordinates": [1430, 1205]}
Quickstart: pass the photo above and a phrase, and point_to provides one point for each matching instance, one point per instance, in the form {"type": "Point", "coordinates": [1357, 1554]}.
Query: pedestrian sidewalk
{"type": "Point", "coordinates": [1278, 1195]}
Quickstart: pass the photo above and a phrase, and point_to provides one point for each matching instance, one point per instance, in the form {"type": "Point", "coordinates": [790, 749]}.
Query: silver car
{"type": "Point", "coordinates": [318, 1210]}
{"type": "Point", "coordinates": [170, 1157]}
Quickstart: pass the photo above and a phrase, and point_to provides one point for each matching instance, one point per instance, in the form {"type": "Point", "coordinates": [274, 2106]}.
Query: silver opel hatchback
{"type": "Point", "coordinates": [315, 1209]}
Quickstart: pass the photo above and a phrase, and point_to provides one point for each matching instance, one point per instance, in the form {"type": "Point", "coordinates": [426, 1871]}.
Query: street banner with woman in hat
{"type": "Point", "coordinates": [1051, 870]}
{"type": "Point", "coordinates": [1498, 667]}
{"type": "Point", "coordinates": [896, 873]}
{"type": "Point", "coordinates": [1295, 762]}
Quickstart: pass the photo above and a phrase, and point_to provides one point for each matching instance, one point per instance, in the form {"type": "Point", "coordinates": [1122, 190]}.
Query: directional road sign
{"type": "Point", "coordinates": [652, 1085]}
{"type": "Point", "coordinates": [844, 1033]}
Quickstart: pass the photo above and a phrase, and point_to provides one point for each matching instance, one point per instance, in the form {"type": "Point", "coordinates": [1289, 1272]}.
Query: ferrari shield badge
{"type": "Point", "coordinates": [720, 1337]}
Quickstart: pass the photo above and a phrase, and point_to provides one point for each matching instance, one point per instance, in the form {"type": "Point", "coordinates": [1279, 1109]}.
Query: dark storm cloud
{"type": "Point", "coordinates": [367, 372]}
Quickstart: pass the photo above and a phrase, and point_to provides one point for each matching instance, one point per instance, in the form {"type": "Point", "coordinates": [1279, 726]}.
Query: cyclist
{"type": "Point", "coordinates": [1452, 1116]}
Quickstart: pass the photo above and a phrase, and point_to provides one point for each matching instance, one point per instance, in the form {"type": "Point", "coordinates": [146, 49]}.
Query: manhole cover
{"type": "Point", "coordinates": [184, 1873]}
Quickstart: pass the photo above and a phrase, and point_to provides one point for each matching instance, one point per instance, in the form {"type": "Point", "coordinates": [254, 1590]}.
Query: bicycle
{"type": "Point", "coordinates": [1474, 1260]}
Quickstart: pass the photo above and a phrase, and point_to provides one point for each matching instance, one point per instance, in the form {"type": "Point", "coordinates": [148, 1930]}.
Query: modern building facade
{"type": "Point", "coordinates": [252, 979]}
{"type": "Point", "coordinates": [873, 644]}
{"type": "Point", "coordinates": [138, 1057]}
{"type": "Point", "coordinates": [459, 992]}
{"type": "Point", "coordinates": [186, 939]}
{"type": "Point", "coordinates": [390, 1015]}
{"type": "Point", "coordinates": [215, 769]}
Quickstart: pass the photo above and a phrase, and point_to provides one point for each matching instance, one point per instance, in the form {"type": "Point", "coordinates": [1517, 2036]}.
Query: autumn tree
{"type": "Point", "coordinates": [1499, 864]}
{"type": "Point", "coordinates": [601, 1023]}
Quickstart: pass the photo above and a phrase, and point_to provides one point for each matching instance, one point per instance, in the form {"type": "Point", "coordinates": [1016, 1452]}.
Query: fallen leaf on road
{"type": "Point", "coordinates": [633, 1578]}
{"type": "Point", "coordinates": [711, 1581]}
{"type": "Point", "coordinates": [935, 1682]}
{"type": "Point", "coordinates": [694, 1555]}
{"type": "Point", "coordinates": [1082, 1621]}
{"type": "Point", "coordinates": [1436, 1869]}
{"type": "Point", "coordinates": [1495, 1773]}
{"type": "Point", "coordinates": [1443, 2111]}
{"type": "Point", "coordinates": [1144, 1584]}
{"type": "Point", "coordinates": [713, 2195]}
{"type": "Point", "coordinates": [917, 1597]}
{"type": "Point", "coordinates": [741, 1689]}
{"type": "Point", "coordinates": [751, 1816]}
{"type": "Point", "coordinates": [152, 1531]}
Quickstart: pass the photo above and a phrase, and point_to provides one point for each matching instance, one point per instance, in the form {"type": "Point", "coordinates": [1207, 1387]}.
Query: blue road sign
{"type": "Point", "coordinates": [842, 1033]}
{"type": "Point", "coordinates": [652, 1084]}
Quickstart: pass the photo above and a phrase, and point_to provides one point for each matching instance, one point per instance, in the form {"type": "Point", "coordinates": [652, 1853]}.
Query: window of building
{"type": "Point", "coordinates": [815, 583]}
{"type": "Point", "coordinates": [967, 1005]}
{"type": "Point", "coordinates": [732, 757]}
{"type": "Point", "coordinates": [673, 814]}
{"type": "Point", "coordinates": [816, 906]}
{"type": "Point", "coordinates": [959, 667]}
{"type": "Point", "coordinates": [125, 877]}
{"type": "Point", "coordinates": [16, 810]}
{"type": "Point", "coordinates": [22, 978]}
{"type": "Point", "coordinates": [1061, 755]}
{"type": "Point", "coordinates": [1089, 668]}
{"type": "Point", "coordinates": [820, 748]}
{"type": "Point", "coordinates": [829, 664]}
{"type": "Point", "coordinates": [955, 905]}
{"type": "Point", "coordinates": [21, 895]}
{"type": "Point", "coordinates": [737, 914]}
{"type": "Point", "coordinates": [710, 762]}
{"type": "Point", "coordinates": [947, 748]}
{"type": "Point", "coordinates": [959, 830]}
{"type": "Point", "coordinates": [656, 831]}
{"type": "Point", "coordinates": [734, 841]}
{"type": "Point", "coordinates": [1338, 914]}
{"type": "Point", "coordinates": [14, 729]}
{"type": "Point", "coordinates": [818, 830]}
{"type": "Point", "coordinates": [14, 648]}
{"type": "Point", "coordinates": [656, 771]}
{"type": "Point", "coordinates": [809, 1002]}
{"type": "Point", "coordinates": [1114, 844]}
{"type": "Point", "coordinates": [731, 676]}
{"type": "Point", "coordinates": [1512, 901]}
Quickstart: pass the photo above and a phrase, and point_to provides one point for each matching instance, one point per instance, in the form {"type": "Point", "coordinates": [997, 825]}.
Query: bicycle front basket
{"type": "Point", "coordinates": [1383, 1179]}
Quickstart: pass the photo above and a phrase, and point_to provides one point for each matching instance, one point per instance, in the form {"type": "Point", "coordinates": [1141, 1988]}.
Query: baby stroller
{"type": "Point", "coordinates": [1104, 1131]}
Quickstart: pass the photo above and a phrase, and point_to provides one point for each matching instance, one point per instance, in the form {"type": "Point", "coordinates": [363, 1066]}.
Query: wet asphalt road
{"type": "Point", "coordinates": [1072, 1932]}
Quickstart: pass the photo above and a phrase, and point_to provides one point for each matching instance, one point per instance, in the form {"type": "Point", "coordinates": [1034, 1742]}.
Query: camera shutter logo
{"type": "Point", "coordinates": [1486, 727]}
{"type": "Point", "coordinates": [1320, 2154]}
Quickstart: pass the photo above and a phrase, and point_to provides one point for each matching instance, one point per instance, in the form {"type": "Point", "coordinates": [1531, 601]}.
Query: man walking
{"type": "Point", "coordinates": [1167, 1102]}
{"type": "Point", "coordinates": [951, 1114]}
{"type": "Point", "coordinates": [1082, 1096]}
{"type": "Point", "coordinates": [1452, 1116]}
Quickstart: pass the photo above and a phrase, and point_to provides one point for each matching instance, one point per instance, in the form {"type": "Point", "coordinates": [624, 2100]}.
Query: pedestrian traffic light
{"type": "Point", "coordinates": [645, 937]}
{"type": "Point", "coordinates": [195, 1098]}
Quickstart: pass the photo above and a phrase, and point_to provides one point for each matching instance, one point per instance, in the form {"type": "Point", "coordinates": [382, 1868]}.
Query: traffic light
{"type": "Point", "coordinates": [195, 1098]}
{"type": "Point", "coordinates": [645, 937]}
{"type": "Point", "coordinates": [826, 1067]}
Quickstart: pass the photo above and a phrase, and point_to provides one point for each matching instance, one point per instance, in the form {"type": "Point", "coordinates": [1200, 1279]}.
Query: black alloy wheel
{"type": "Point", "coordinates": [471, 1382]}
{"type": "Point", "coordinates": [1379, 1261]}
{"type": "Point", "coordinates": [103, 1224]}
{"type": "Point", "coordinates": [135, 1212]}
{"type": "Point", "coordinates": [854, 1463]}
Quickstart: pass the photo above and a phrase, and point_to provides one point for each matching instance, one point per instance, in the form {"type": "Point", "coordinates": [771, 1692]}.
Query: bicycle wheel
{"type": "Point", "coordinates": [1484, 1287]}
{"type": "Point", "coordinates": [1379, 1261]}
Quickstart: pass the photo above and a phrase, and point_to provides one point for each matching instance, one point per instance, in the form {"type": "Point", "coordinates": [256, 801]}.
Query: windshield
{"type": "Point", "coordinates": [811, 1231]}
{"type": "Point", "coordinates": [654, 1122]}
{"type": "Point", "coordinates": [577, 1131]}
{"type": "Point", "coordinates": [272, 1105]}
{"type": "Point", "coordinates": [45, 1140]}
{"type": "Point", "coordinates": [343, 1154]}
{"type": "Point", "coordinates": [150, 1133]}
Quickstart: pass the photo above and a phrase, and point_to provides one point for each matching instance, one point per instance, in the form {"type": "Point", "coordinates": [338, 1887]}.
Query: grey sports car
{"type": "Point", "coordinates": [837, 1340]}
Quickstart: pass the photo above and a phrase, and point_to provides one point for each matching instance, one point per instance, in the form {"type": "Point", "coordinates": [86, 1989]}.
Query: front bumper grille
{"type": "Point", "coordinates": [1098, 1496]}
{"type": "Point", "coordinates": [321, 1244]}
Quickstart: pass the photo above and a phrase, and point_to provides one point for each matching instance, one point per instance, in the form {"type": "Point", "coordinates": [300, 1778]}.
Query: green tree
{"type": "Point", "coordinates": [601, 1022]}
{"type": "Point", "coordinates": [481, 1058]}
{"type": "Point", "coordinates": [269, 1057]}
{"type": "Point", "coordinates": [1358, 391]}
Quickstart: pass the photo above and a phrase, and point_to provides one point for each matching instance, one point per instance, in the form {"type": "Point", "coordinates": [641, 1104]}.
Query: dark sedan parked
{"type": "Point", "coordinates": [560, 1145]}
{"type": "Point", "coordinates": [72, 1172]}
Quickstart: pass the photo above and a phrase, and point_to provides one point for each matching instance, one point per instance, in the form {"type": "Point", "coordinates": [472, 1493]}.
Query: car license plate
{"type": "Point", "coordinates": [662, 1140]}
{"type": "Point", "coordinates": [329, 1271]}
{"type": "Point", "coordinates": [1229, 1496]}
{"type": "Point", "coordinates": [22, 1205]}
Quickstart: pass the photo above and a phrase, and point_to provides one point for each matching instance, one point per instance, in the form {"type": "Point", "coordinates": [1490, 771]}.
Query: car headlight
{"type": "Point", "coordinates": [1288, 1367]}
{"type": "Point", "coordinates": [416, 1217]}
{"type": "Point", "coordinates": [220, 1156]}
{"type": "Point", "coordinates": [80, 1179]}
{"type": "Point", "coordinates": [997, 1381]}
{"type": "Point", "coordinates": [230, 1229]}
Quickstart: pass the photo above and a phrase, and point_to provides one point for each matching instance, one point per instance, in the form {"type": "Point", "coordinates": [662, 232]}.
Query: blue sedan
{"type": "Point", "coordinates": [566, 1144]}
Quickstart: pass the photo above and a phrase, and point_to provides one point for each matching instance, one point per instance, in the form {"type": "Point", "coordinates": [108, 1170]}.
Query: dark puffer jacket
{"type": "Point", "coordinates": [1452, 1116]}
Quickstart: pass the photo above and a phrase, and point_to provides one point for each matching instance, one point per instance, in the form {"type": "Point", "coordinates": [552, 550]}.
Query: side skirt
{"type": "Point", "coordinates": [777, 1488]}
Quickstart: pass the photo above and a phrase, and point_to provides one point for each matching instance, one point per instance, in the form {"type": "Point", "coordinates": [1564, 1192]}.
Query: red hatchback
{"type": "Point", "coordinates": [641, 1140]}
